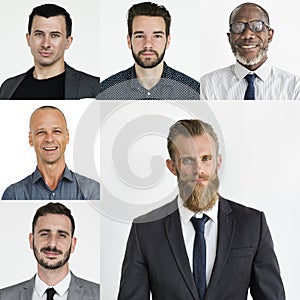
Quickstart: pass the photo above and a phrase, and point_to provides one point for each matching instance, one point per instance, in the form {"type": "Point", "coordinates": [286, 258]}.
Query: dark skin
{"type": "Point", "coordinates": [249, 44]}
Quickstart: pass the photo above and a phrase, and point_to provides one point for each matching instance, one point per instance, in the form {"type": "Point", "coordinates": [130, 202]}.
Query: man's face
{"type": "Point", "coordinates": [48, 135]}
{"type": "Point", "coordinates": [195, 165]}
{"type": "Point", "coordinates": [48, 40]}
{"type": "Point", "coordinates": [51, 241]}
{"type": "Point", "coordinates": [250, 48]}
{"type": "Point", "coordinates": [148, 41]}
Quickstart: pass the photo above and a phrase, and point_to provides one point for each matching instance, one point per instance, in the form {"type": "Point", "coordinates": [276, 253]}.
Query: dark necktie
{"type": "Point", "coordinates": [199, 255]}
{"type": "Point", "coordinates": [50, 293]}
{"type": "Point", "coordinates": [250, 92]}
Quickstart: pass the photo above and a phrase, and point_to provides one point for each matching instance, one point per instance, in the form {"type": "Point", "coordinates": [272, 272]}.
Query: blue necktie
{"type": "Point", "coordinates": [50, 293]}
{"type": "Point", "coordinates": [199, 255]}
{"type": "Point", "coordinates": [250, 92]}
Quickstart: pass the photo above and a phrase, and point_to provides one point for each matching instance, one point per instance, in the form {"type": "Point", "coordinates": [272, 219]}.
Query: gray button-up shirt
{"type": "Point", "coordinates": [71, 186]}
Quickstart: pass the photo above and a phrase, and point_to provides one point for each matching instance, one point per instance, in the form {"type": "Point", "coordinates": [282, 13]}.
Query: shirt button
{"type": "Point", "coordinates": [53, 194]}
{"type": "Point", "coordinates": [149, 93]}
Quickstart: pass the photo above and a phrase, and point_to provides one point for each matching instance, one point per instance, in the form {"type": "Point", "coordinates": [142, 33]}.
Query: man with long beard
{"type": "Point", "coordinates": [52, 241]}
{"type": "Point", "coordinates": [252, 77]}
{"type": "Point", "coordinates": [168, 257]}
{"type": "Point", "coordinates": [150, 77]}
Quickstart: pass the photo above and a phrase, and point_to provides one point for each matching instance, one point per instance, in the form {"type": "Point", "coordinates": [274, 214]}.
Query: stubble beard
{"type": "Point", "coordinates": [47, 265]}
{"type": "Point", "coordinates": [199, 198]}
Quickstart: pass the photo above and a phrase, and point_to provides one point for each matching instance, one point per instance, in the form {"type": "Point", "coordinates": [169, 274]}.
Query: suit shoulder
{"type": "Point", "coordinates": [82, 74]}
{"type": "Point", "coordinates": [13, 289]}
{"type": "Point", "coordinates": [158, 214]}
{"type": "Point", "coordinates": [87, 283]}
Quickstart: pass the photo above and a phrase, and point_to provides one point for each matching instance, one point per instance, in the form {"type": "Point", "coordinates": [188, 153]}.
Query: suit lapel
{"type": "Point", "coordinates": [71, 83]}
{"type": "Point", "coordinates": [226, 229]}
{"type": "Point", "coordinates": [175, 237]}
{"type": "Point", "coordinates": [75, 289]}
{"type": "Point", "coordinates": [27, 291]}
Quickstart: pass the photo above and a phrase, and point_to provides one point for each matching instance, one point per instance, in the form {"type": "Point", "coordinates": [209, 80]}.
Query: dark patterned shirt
{"type": "Point", "coordinates": [71, 186]}
{"type": "Point", "coordinates": [173, 85]}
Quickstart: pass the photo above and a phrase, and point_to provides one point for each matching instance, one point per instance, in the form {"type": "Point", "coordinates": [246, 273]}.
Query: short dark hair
{"type": "Point", "coordinates": [148, 9]}
{"type": "Point", "coordinates": [51, 10]}
{"type": "Point", "coordinates": [53, 208]}
{"type": "Point", "coordinates": [251, 4]}
{"type": "Point", "coordinates": [193, 127]}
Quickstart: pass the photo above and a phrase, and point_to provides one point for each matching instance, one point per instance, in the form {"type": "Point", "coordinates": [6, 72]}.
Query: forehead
{"type": "Point", "coordinates": [47, 118]}
{"type": "Point", "coordinates": [248, 13]}
{"type": "Point", "coordinates": [194, 145]}
{"type": "Point", "coordinates": [53, 222]}
{"type": "Point", "coordinates": [57, 23]}
{"type": "Point", "coordinates": [143, 23]}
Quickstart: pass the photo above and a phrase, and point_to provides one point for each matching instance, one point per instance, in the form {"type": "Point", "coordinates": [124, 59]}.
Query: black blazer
{"type": "Point", "coordinates": [156, 260]}
{"type": "Point", "coordinates": [78, 85]}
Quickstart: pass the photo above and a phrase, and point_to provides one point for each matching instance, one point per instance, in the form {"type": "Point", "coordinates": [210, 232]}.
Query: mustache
{"type": "Point", "coordinates": [150, 50]}
{"type": "Point", "coordinates": [51, 249]}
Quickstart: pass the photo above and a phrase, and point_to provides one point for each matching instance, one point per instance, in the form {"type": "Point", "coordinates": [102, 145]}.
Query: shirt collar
{"type": "Point", "coordinates": [262, 72]}
{"type": "Point", "coordinates": [186, 214]}
{"type": "Point", "coordinates": [60, 288]}
{"type": "Point", "coordinates": [66, 174]}
{"type": "Point", "coordinates": [134, 83]}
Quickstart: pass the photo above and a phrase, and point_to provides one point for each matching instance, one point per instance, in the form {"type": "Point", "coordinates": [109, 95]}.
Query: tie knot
{"type": "Point", "coordinates": [50, 293]}
{"type": "Point", "coordinates": [199, 223]}
{"type": "Point", "coordinates": [250, 78]}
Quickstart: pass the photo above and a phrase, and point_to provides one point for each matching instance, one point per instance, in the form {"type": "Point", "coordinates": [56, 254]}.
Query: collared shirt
{"type": "Point", "coordinates": [173, 85]}
{"type": "Point", "coordinates": [270, 83]}
{"type": "Point", "coordinates": [71, 186]}
{"type": "Point", "coordinates": [61, 288]}
{"type": "Point", "coordinates": [210, 234]}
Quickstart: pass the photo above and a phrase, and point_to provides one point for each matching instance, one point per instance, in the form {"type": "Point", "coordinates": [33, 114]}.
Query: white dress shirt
{"type": "Point", "coordinates": [62, 288]}
{"type": "Point", "coordinates": [210, 234]}
{"type": "Point", "coordinates": [229, 83]}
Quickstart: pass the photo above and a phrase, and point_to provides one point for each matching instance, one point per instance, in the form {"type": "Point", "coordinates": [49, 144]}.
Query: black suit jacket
{"type": "Point", "coordinates": [78, 85]}
{"type": "Point", "coordinates": [156, 259]}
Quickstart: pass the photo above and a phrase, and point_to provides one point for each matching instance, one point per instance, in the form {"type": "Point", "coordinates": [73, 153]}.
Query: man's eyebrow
{"type": "Point", "coordinates": [138, 32]}
{"type": "Point", "coordinates": [159, 31]}
{"type": "Point", "coordinates": [48, 230]}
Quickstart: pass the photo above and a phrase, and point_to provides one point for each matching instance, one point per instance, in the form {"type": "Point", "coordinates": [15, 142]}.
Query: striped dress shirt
{"type": "Point", "coordinates": [229, 83]}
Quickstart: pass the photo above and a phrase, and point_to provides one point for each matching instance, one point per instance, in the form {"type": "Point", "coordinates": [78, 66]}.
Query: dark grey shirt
{"type": "Point", "coordinates": [71, 186]}
{"type": "Point", "coordinates": [173, 85]}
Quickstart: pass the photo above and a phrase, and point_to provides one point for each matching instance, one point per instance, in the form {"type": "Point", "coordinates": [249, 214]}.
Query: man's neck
{"type": "Point", "coordinates": [52, 173]}
{"type": "Point", "coordinates": [45, 72]}
{"type": "Point", "coordinates": [53, 277]}
{"type": "Point", "coordinates": [149, 77]}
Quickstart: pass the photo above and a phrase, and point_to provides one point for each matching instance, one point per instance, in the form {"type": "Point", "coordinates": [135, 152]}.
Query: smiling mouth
{"type": "Point", "coordinates": [50, 148]}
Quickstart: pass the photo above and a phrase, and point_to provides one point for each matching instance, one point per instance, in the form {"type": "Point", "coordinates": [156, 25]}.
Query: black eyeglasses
{"type": "Point", "coordinates": [255, 26]}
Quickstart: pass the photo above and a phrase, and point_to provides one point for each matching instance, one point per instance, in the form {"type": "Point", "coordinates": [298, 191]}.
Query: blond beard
{"type": "Point", "coordinates": [199, 198]}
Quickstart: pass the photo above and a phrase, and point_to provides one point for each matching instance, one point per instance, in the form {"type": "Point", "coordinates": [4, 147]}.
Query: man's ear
{"type": "Point", "coordinates": [30, 139]}
{"type": "Point", "coordinates": [219, 161]}
{"type": "Point", "coordinates": [28, 39]}
{"type": "Point", "coordinates": [171, 166]}
{"type": "Point", "coordinates": [270, 34]}
{"type": "Point", "coordinates": [30, 238]}
{"type": "Point", "coordinates": [128, 41]}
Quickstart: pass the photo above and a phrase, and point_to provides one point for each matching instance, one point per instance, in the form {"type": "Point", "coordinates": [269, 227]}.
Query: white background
{"type": "Point", "coordinates": [260, 169]}
{"type": "Point", "coordinates": [17, 259]}
{"type": "Point", "coordinates": [83, 54]}
{"type": "Point", "coordinates": [18, 159]}
{"type": "Point", "coordinates": [199, 42]}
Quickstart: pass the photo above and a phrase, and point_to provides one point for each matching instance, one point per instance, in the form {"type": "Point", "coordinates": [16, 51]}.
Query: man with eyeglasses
{"type": "Point", "coordinates": [252, 76]}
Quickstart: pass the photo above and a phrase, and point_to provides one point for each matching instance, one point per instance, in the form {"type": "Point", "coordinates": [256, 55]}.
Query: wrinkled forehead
{"type": "Point", "coordinates": [194, 145]}
{"type": "Point", "coordinates": [247, 13]}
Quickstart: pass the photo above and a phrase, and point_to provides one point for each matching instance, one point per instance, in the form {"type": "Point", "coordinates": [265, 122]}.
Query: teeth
{"type": "Point", "coordinates": [49, 148]}
{"type": "Point", "coordinates": [248, 47]}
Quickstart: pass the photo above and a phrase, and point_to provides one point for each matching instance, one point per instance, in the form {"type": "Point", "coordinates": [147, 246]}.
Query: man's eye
{"type": "Point", "coordinates": [206, 158]}
{"type": "Point", "coordinates": [158, 36]}
{"type": "Point", "coordinates": [187, 161]}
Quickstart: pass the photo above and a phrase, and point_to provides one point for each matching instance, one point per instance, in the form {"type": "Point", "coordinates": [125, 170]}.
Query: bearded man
{"type": "Point", "coordinates": [168, 257]}
{"type": "Point", "coordinates": [252, 77]}
{"type": "Point", "coordinates": [52, 241]}
{"type": "Point", "coordinates": [150, 78]}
